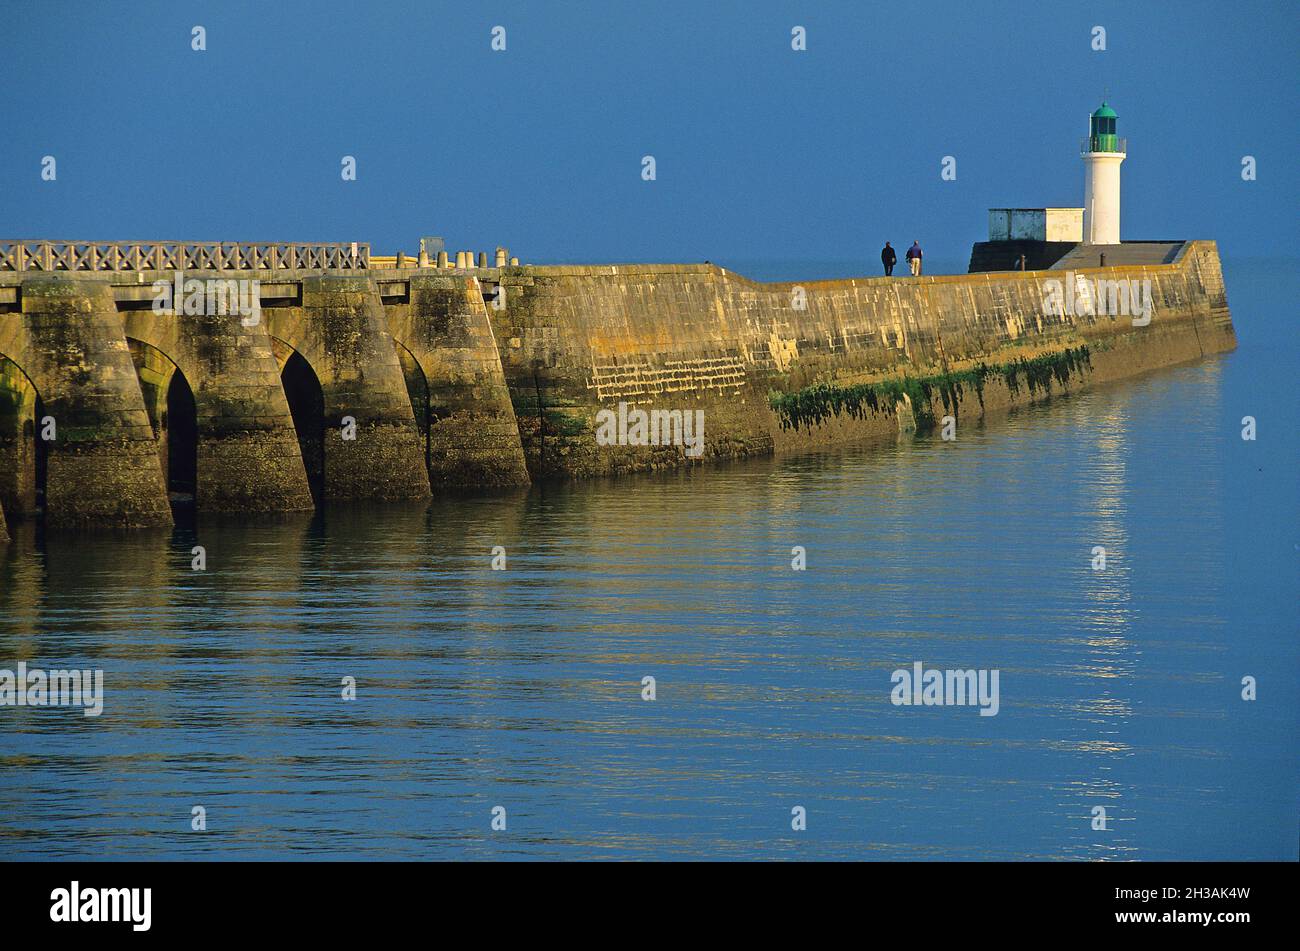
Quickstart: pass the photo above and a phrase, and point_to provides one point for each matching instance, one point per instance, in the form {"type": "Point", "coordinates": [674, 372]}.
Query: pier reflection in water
{"type": "Point", "coordinates": [523, 687]}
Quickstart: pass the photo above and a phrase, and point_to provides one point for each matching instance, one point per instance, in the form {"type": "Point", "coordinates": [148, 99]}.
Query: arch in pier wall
{"type": "Point", "coordinates": [472, 433]}
{"type": "Point", "coordinates": [22, 451]}
{"type": "Point", "coordinates": [306, 398]}
{"type": "Point", "coordinates": [245, 456]}
{"type": "Point", "coordinates": [339, 329]}
{"type": "Point", "coordinates": [421, 367]}
{"type": "Point", "coordinates": [24, 454]}
{"type": "Point", "coordinates": [101, 462]}
{"type": "Point", "coordinates": [173, 413]}
{"type": "Point", "coordinates": [417, 388]}
{"type": "Point", "coordinates": [342, 354]}
{"type": "Point", "coordinates": [424, 369]}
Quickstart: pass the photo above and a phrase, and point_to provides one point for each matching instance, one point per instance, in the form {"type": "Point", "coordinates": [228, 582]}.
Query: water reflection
{"type": "Point", "coordinates": [523, 687]}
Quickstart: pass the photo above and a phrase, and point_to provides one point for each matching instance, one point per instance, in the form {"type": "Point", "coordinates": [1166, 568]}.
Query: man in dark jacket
{"type": "Point", "coordinates": [888, 258]}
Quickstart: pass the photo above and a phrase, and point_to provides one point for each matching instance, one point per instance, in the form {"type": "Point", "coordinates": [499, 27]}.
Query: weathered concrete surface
{"type": "Point", "coordinates": [103, 465]}
{"type": "Point", "coordinates": [248, 456]}
{"type": "Point", "coordinates": [577, 340]}
{"type": "Point", "coordinates": [574, 340]}
{"type": "Point", "coordinates": [340, 329]}
{"type": "Point", "coordinates": [473, 439]}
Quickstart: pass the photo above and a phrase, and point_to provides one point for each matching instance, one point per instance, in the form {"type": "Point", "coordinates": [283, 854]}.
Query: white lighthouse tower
{"type": "Point", "coordinates": [1102, 154]}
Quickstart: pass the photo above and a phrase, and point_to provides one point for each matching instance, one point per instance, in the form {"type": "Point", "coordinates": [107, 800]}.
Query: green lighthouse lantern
{"type": "Point", "coordinates": [1101, 131]}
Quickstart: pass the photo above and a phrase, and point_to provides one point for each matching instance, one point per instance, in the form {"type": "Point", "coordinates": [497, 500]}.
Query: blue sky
{"type": "Point", "coordinates": [762, 153]}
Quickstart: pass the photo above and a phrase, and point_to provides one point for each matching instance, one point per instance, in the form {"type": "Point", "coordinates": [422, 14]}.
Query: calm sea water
{"type": "Point", "coordinates": [522, 688]}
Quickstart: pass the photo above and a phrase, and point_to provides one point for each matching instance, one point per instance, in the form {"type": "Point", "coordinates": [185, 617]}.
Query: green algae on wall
{"type": "Point", "coordinates": [1040, 371]}
{"type": "Point", "coordinates": [821, 401]}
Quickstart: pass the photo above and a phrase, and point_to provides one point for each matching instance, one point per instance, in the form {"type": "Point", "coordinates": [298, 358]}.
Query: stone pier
{"type": "Point", "coordinates": [102, 460]}
{"type": "Point", "coordinates": [443, 329]}
{"type": "Point", "coordinates": [761, 361]}
{"type": "Point", "coordinates": [248, 458]}
{"type": "Point", "coordinates": [341, 330]}
{"type": "Point", "coordinates": [361, 382]}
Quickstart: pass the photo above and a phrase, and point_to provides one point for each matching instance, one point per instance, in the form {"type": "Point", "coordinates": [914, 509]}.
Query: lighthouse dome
{"type": "Point", "coordinates": [1101, 131]}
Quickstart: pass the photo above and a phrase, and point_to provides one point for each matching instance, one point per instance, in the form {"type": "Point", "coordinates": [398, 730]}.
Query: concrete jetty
{"type": "Point", "coordinates": [348, 377]}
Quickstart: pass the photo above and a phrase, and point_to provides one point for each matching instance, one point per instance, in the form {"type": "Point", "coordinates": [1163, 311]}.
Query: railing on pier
{"type": "Point", "coordinates": [179, 256]}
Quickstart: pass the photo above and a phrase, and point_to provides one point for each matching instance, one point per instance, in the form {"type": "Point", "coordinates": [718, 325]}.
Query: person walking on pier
{"type": "Point", "coordinates": [888, 258]}
{"type": "Point", "coordinates": [914, 258]}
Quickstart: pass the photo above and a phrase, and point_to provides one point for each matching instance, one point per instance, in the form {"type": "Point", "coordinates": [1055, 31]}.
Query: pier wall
{"type": "Point", "coordinates": [247, 451]}
{"type": "Point", "coordinates": [454, 374]}
{"type": "Point", "coordinates": [576, 340]}
{"type": "Point", "coordinates": [484, 377]}
{"type": "Point", "coordinates": [101, 457]}
{"type": "Point", "coordinates": [371, 445]}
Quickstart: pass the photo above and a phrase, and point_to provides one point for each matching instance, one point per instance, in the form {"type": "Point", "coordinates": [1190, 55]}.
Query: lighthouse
{"type": "Point", "coordinates": [1102, 154]}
